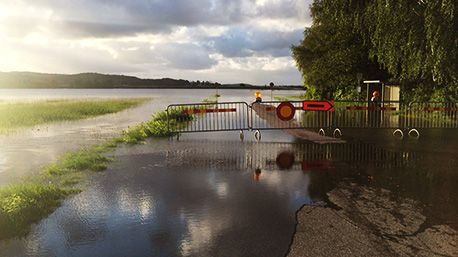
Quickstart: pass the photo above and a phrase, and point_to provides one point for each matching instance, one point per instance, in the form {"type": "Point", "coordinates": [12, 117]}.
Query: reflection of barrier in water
{"type": "Point", "coordinates": [284, 156]}
{"type": "Point", "coordinates": [316, 115]}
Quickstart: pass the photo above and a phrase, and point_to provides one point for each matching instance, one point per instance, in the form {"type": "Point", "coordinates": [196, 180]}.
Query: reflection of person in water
{"type": "Point", "coordinates": [285, 160]}
{"type": "Point", "coordinates": [257, 174]}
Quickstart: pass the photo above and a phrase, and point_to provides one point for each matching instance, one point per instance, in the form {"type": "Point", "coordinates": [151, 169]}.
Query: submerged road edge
{"type": "Point", "coordinates": [368, 222]}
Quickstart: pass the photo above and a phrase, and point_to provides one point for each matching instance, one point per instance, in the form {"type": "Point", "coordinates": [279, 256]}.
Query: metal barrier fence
{"type": "Point", "coordinates": [230, 116]}
{"type": "Point", "coordinates": [276, 115]}
{"type": "Point", "coordinates": [359, 114]}
{"type": "Point", "coordinates": [432, 115]}
{"type": "Point", "coordinates": [354, 114]}
{"type": "Point", "coordinates": [324, 114]}
{"type": "Point", "coordinates": [206, 117]}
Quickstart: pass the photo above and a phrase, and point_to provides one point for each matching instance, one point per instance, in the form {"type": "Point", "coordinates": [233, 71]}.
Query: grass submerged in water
{"type": "Point", "coordinates": [162, 125]}
{"type": "Point", "coordinates": [16, 115]}
{"type": "Point", "coordinates": [24, 204]}
{"type": "Point", "coordinates": [92, 159]}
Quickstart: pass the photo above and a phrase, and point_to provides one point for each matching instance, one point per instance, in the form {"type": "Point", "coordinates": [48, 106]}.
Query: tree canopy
{"type": "Point", "coordinates": [413, 43]}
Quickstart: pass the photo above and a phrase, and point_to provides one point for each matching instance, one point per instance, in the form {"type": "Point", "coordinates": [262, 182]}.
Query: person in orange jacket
{"type": "Point", "coordinates": [375, 96]}
{"type": "Point", "coordinates": [374, 113]}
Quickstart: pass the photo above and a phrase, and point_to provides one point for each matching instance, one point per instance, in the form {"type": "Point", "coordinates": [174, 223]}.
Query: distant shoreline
{"type": "Point", "coordinates": [276, 88]}
{"type": "Point", "coordinates": [32, 80]}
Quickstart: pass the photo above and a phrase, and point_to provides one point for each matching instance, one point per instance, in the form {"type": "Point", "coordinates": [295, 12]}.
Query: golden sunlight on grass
{"type": "Point", "coordinates": [15, 115]}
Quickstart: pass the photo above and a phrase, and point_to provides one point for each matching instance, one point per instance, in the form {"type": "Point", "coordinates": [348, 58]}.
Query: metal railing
{"type": "Point", "coordinates": [205, 117]}
{"type": "Point", "coordinates": [360, 114]}
{"type": "Point", "coordinates": [343, 114]}
{"type": "Point", "coordinates": [432, 115]}
{"type": "Point", "coordinates": [230, 116]}
{"type": "Point", "coordinates": [264, 116]}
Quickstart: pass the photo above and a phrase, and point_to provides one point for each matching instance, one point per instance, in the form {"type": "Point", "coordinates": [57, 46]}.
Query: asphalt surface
{"type": "Point", "coordinates": [369, 222]}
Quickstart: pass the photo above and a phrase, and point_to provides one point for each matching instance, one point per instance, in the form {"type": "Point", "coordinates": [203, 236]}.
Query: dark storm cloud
{"type": "Point", "coordinates": [244, 42]}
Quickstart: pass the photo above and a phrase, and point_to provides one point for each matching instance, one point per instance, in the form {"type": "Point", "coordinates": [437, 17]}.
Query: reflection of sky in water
{"type": "Point", "coordinates": [193, 198]}
{"type": "Point", "coordinates": [139, 209]}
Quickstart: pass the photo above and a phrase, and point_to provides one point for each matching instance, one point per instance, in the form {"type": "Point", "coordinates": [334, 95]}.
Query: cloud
{"type": "Point", "coordinates": [62, 58]}
{"type": "Point", "coordinates": [82, 29]}
{"type": "Point", "coordinates": [100, 18]}
{"type": "Point", "coordinates": [185, 56]}
{"type": "Point", "coordinates": [218, 40]}
{"type": "Point", "coordinates": [243, 42]}
{"type": "Point", "coordinates": [292, 9]}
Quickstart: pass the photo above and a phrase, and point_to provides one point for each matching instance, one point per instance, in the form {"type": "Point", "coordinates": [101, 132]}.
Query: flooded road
{"type": "Point", "coordinates": [42, 145]}
{"type": "Point", "coordinates": [212, 195]}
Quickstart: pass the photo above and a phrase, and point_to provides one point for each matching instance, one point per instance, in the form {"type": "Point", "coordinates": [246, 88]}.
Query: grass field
{"type": "Point", "coordinates": [290, 98]}
{"type": "Point", "coordinates": [16, 115]}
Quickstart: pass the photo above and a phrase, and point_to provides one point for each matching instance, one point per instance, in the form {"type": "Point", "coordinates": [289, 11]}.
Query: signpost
{"type": "Point", "coordinates": [324, 106]}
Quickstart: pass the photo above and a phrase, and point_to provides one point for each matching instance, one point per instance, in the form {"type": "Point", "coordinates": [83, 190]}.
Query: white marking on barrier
{"type": "Point", "coordinates": [398, 131]}
{"type": "Point", "coordinates": [337, 130]}
{"type": "Point", "coordinates": [321, 132]}
{"type": "Point", "coordinates": [257, 135]}
{"type": "Point", "coordinates": [416, 132]}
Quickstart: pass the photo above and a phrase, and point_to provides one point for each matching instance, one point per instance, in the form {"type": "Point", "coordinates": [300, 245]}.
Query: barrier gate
{"type": "Point", "coordinates": [320, 115]}
{"type": "Point", "coordinates": [207, 117]}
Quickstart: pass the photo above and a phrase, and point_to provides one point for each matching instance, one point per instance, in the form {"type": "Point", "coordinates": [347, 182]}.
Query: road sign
{"type": "Point", "coordinates": [286, 111]}
{"type": "Point", "coordinates": [324, 106]}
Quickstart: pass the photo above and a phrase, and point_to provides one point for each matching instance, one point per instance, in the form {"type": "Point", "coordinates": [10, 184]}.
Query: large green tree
{"type": "Point", "coordinates": [415, 41]}
{"type": "Point", "coordinates": [332, 54]}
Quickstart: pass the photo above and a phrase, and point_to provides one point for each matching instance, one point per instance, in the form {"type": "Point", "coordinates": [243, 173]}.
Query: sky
{"type": "Point", "coordinates": [226, 41]}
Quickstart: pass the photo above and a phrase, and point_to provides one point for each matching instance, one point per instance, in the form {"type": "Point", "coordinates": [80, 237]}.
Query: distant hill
{"type": "Point", "coordinates": [96, 80]}
{"type": "Point", "coordinates": [82, 80]}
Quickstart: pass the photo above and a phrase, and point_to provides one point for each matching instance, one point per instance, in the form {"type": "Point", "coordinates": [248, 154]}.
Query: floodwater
{"type": "Point", "coordinates": [42, 145]}
{"type": "Point", "coordinates": [203, 196]}
{"type": "Point", "coordinates": [213, 195]}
